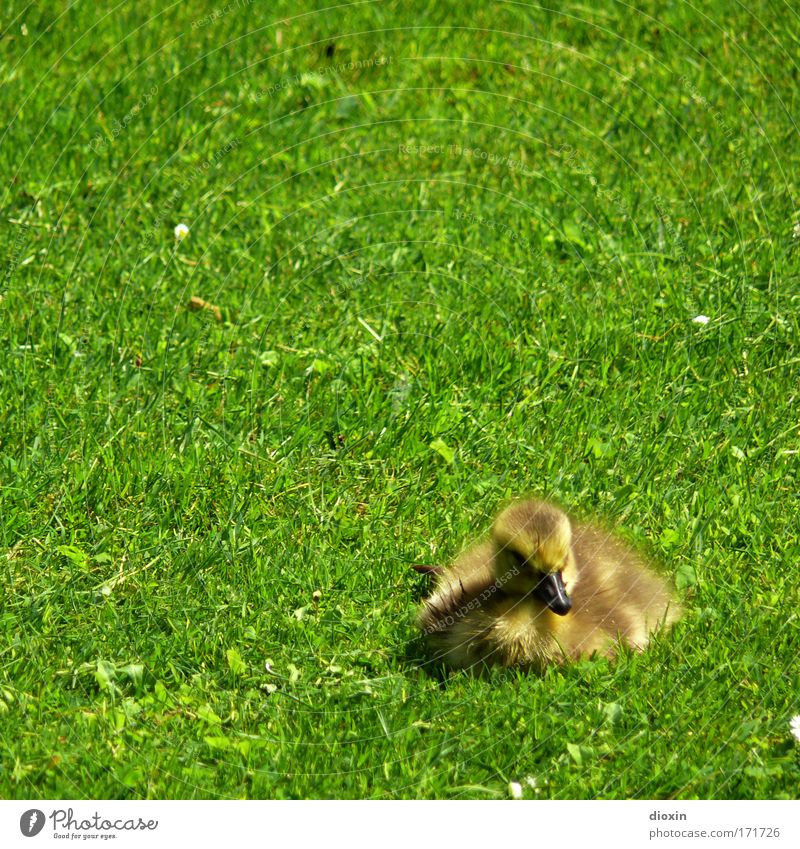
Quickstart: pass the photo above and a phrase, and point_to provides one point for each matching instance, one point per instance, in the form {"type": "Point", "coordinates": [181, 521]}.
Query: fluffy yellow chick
{"type": "Point", "coordinates": [543, 590]}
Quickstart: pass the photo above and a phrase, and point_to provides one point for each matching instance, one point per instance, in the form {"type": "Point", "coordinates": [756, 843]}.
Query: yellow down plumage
{"type": "Point", "coordinates": [543, 589]}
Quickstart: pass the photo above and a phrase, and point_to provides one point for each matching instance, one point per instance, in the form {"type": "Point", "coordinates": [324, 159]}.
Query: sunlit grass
{"type": "Point", "coordinates": [435, 257]}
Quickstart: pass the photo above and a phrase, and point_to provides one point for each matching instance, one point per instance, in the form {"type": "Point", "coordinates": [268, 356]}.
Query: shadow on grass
{"type": "Point", "coordinates": [416, 657]}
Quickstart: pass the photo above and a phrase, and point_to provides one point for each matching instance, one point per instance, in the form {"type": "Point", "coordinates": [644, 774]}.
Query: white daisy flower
{"type": "Point", "coordinates": [181, 232]}
{"type": "Point", "coordinates": [701, 319]}
{"type": "Point", "coordinates": [796, 230]}
{"type": "Point", "coordinates": [794, 727]}
{"type": "Point", "coordinates": [515, 789]}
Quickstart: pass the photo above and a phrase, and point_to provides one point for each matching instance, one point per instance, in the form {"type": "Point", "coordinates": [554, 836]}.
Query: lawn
{"type": "Point", "coordinates": [441, 254]}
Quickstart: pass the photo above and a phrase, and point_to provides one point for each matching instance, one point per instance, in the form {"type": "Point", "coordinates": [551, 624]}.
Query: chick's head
{"type": "Point", "coordinates": [533, 553]}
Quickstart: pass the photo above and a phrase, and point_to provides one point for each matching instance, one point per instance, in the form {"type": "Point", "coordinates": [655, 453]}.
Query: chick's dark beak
{"type": "Point", "coordinates": [553, 593]}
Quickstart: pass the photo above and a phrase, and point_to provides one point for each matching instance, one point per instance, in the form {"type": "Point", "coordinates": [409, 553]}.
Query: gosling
{"type": "Point", "coordinates": [543, 590]}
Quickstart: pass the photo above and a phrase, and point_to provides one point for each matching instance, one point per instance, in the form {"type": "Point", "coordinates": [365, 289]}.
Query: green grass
{"type": "Point", "coordinates": [175, 488]}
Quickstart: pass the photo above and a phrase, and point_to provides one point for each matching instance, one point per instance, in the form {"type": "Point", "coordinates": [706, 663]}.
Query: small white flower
{"type": "Point", "coordinates": [181, 232]}
{"type": "Point", "coordinates": [794, 726]}
{"type": "Point", "coordinates": [515, 789]}
{"type": "Point", "coordinates": [531, 781]}
{"type": "Point", "coordinates": [701, 319]}
{"type": "Point", "coordinates": [796, 230]}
